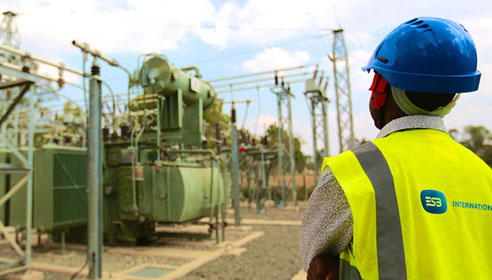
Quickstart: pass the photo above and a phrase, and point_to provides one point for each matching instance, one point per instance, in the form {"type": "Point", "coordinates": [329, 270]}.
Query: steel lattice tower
{"type": "Point", "coordinates": [345, 121]}
{"type": "Point", "coordinates": [10, 36]}
{"type": "Point", "coordinates": [318, 107]}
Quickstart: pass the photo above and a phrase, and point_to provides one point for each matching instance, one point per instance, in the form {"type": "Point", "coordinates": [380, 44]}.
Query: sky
{"type": "Point", "coordinates": [226, 38]}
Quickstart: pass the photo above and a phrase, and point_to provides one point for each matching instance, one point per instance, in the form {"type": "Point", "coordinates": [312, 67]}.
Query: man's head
{"type": "Point", "coordinates": [388, 103]}
{"type": "Point", "coordinates": [419, 67]}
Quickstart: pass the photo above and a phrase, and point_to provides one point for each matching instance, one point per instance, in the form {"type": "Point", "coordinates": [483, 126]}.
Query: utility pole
{"type": "Point", "coordinates": [94, 175]}
{"type": "Point", "coordinates": [94, 160]}
{"type": "Point", "coordinates": [345, 121]}
{"type": "Point", "coordinates": [318, 107]}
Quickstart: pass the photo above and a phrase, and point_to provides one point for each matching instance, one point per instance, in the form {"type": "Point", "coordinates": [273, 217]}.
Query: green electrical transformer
{"type": "Point", "coordinates": [157, 173]}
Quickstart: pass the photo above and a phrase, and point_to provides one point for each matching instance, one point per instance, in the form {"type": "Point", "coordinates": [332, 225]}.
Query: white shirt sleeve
{"type": "Point", "coordinates": [327, 223]}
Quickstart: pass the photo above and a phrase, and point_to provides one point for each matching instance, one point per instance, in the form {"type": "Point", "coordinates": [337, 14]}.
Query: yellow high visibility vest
{"type": "Point", "coordinates": [421, 206]}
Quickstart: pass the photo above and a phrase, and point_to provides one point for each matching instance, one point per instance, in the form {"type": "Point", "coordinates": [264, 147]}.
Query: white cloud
{"type": "Point", "coordinates": [260, 22]}
{"type": "Point", "coordinates": [481, 30]}
{"type": "Point", "coordinates": [358, 39]}
{"type": "Point", "coordinates": [258, 125]}
{"type": "Point", "coordinates": [275, 58]}
{"type": "Point", "coordinates": [137, 26]}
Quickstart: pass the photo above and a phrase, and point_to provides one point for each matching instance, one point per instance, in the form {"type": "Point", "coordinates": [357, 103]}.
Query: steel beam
{"type": "Point", "coordinates": [291, 151]}
{"type": "Point", "coordinates": [281, 170]}
{"type": "Point", "coordinates": [11, 240]}
{"type": "Point", "coordinates": [17, 99]}
{"type": "Point", "coordinates": [235, 169]}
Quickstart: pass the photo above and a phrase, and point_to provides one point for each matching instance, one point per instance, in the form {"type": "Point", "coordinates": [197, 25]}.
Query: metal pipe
{"type": "Point", "coordinates": [226, 183]}
{"type": "Point", "coordinates": [84, 88]}
{"type": "Point", "coordinates": [94, 176]}
{"type": "Point", "coordinates": [249, 179]}
{"type": "Point", "coordinates": [193, 67]}
{"type": "Point", "coordinates": [262, 73]}
{"type": "Point", "coordinates": [326, 140]}
{"type": "Point", "coordinates": [114, 103]}
{"type": "Point", "coordinates": [211, 205]}
{"type": "Point", "coordinates": [315, 137]}
{"type": "Point", "coordinates": [62, 242]}
{"type": "Point", "coordinates": [263, 172]}
{"type": "Point", "coordinates": [84, 47]}
{"type": "Point", "coordinates": [235, 169]}
{"type": "Point", "coordinates": [291, 151]}
{"type": "Point", "coordinates": [280, 160]}
{"type": "Point", "coordinates": [29, 190]}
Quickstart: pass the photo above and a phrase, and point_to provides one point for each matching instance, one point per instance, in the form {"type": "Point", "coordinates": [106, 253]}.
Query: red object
{"type": "Point", "coordinates": [242, 149]}
{"type": "Point", "coordinates": [378, 88]}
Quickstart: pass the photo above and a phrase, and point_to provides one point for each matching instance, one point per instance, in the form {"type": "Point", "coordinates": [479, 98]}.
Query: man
{"type": "Point", "coordinates": [412, 204]}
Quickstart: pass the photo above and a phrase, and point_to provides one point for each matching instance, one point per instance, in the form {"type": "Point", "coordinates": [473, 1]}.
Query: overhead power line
{"type": "Point", "coordinates": [234, 27]}
{"type": "Point", "coordinates": [263, 48]}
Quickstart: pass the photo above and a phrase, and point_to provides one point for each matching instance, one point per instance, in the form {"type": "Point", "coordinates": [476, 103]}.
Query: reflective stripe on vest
{"type": "Point", "coordinates": [391, 256]}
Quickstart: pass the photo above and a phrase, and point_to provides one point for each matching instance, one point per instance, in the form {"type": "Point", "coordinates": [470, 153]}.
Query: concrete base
{"type": "Point", "coordinates": [28, 275]}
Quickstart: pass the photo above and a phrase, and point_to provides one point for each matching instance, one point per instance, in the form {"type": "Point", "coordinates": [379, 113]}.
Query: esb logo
{"type": "Point", "coordinates": [433, 201]}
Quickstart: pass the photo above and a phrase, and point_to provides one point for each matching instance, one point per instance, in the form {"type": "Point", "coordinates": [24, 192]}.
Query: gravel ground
{"type": "Point", "coordinates": [272, 213]}
{"type": "Point", "coordinates": [111, 262]}
{"type": "Point", "coordinates": [169, 242]}
{"type": "Point", "coordinates": [274, 255]}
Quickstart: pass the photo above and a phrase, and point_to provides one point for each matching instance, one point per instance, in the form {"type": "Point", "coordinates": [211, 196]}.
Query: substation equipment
{"type": "Point", "coordinates": [149, 167]}
{"type": "Point", "coordinates": [31, 171]}
{"type": "Point", "coordinates": [156, 171]}
{"type": "Point", "coordinates": [257, 161]}
{"type": "Point", "coordinates": [152, 169]}
{"type": "Point", "coordinates": [279, 82]}
{"type": "Point", "coordinates": [316, 95]}
{"type": "Point", "coordinates": [318, 101]}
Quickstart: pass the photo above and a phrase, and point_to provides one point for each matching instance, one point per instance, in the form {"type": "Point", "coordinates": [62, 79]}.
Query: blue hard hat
{"type": "Point", "coordinates": [428, 54]}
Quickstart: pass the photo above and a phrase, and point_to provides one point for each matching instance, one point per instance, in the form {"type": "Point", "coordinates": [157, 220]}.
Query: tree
{"type": "Point", "coordinates": [273, 134]}
{"type": "Point", "coordinates": [478, 140]}
{"type": "Point", "coordinates": [476, 137]}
